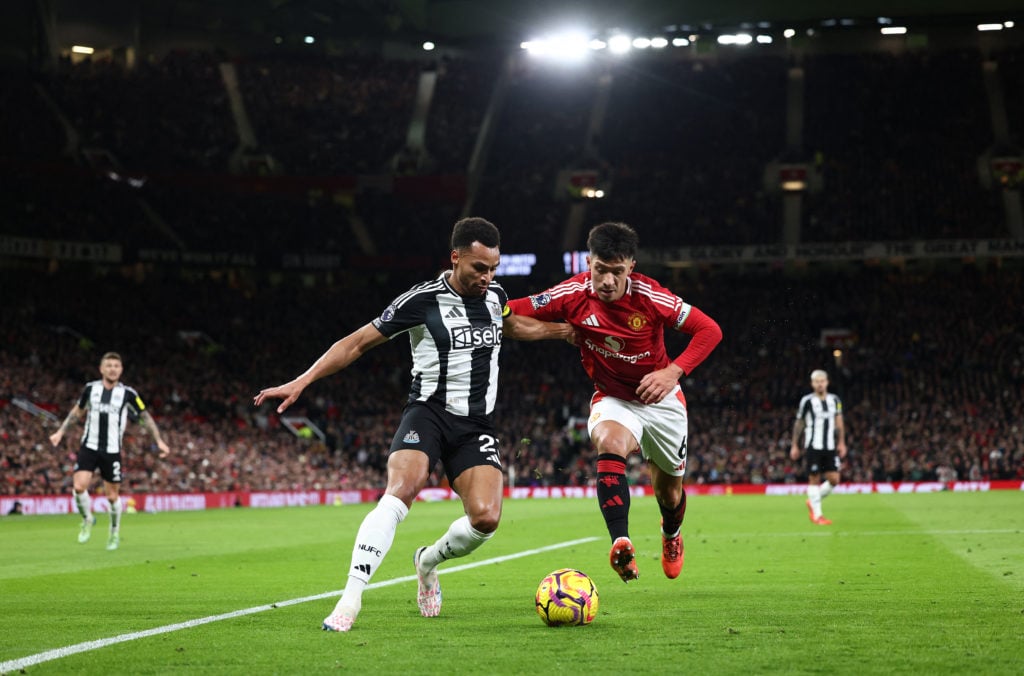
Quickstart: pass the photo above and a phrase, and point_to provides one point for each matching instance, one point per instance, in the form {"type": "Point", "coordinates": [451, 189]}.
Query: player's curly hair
{"type": "Point", "coordinates": [613, 241]}
{"type": "Point", "coordinates": [475, 229]}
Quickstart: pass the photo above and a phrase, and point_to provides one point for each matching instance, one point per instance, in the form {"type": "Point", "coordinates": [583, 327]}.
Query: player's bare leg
{"type": "Point", "coordinates": [83, 503]}
{"type": "Point", "coordinates": [113, 491]}
{"type": "Point", "coordinates": [407, 474]}
{"type": "Point", "coordinates": [481, 490]}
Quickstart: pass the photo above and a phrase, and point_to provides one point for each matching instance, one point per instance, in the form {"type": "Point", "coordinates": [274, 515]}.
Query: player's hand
{"type": "Point", "coordinates": [165, 450]}
{"type": "Point", "coordinates": [657, 385]}
{"type": "Point", "coordinates": [56, 437]}
{"type": "Point", "coordinates": [289, 392]}
{"type": "Point", "coordinates": [794, 452]}
{"type": "Point", "coordinates": [841, 447]}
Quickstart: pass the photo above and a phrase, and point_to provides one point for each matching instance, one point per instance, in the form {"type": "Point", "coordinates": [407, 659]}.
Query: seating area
{"type": "Point", "coordinates": [924, 392]}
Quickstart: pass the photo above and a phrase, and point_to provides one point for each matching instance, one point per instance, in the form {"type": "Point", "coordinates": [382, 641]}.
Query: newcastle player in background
{"type": "Point", "coordinates": [107, 404]}
{"type": "Point", "coordinates": [819, 420]}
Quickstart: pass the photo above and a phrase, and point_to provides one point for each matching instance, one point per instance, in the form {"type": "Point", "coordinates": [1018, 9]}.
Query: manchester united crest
{"type": "Point", "coordinates": [636, 321]}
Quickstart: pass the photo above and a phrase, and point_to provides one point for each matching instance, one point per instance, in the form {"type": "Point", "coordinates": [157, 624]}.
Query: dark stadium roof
{"type": "Point", "coordinates": [510, 20]}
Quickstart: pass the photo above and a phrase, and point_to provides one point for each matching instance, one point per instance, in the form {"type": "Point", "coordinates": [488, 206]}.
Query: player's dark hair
{"type": "Point", "coordinates": [111, 355]}
{"type": "Point", "coordinates": [475, 229]}
{"type": "Point", "coordinates": [613, 241]}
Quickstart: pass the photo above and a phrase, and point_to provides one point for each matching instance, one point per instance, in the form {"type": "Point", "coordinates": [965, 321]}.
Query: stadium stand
{"type": "Point", "coordinates": [925, 392]}
{"type": "Point", "coordinates": [931, 389]}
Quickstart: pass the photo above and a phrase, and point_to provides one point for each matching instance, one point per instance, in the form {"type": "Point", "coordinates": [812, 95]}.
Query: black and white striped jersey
{"type": "Point", "coordinates": [107, 413]}
{"type": "Point", "coordinates": [455, 343]}
{"type": "Point", "coordinates": [819, 416]}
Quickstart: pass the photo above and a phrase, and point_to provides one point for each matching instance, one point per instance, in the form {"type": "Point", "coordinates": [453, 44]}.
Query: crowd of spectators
{"type": "Point", "coordinates": [330, 116]}
{"type": "Point", "coordinates": [930, 393]}
{"type": "Point", "coordinates": [687, 142]}
{"type": "Point", "coordinates": [932, 380]}
{"type": "Point", "coordinates": [170, 115]}
{"type": "Point", "coordinates": [899, 153]}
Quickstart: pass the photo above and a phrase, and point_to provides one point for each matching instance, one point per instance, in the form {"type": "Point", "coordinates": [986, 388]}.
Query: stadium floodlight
{"type": "Point", "coordinates": [659, 43]}
{"type": "Point", "coordinates": [598, 45]}
{"type": "Point", "coordinates": [620, 44]}
{"type": "Point", "coordinates": [990, 27]}
{"type": "Point", "coordinates": [764, 39]}
{"type": "Point", "coordinates": [884, 20]}
{"type": "Point", "coordinates": [428, 46]}
{"type": "Point", "coordinates": [788, 33]}
{"type": "Point", "coordinates": [1009, 24]}
{"type": "Point", "coordinates": [737, 39]}
{"type": "Point", "coordinates": [309, 39]}
{"type": "Point", "coordinates": [82, 49]}
{"type": "Point", "coordinates": [567, 47]}
{"type": "Point", "coordinates": [894, 30]}
{"type": "Point", "coordinates": [680, 42]}
{"type": "Point", "coordinates": [641, 43]}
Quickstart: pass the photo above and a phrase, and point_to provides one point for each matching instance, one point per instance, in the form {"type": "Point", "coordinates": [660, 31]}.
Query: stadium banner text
{"type": "Point", "coordinates": [178, 502]}
{"type": "Point", "coordinates": [835, 251]}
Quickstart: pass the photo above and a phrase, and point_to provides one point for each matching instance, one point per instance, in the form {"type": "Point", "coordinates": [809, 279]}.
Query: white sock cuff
{"type": "Point", "coordinates": [477, 535]}
{"type": "Point", "coordinates": [395, 505]}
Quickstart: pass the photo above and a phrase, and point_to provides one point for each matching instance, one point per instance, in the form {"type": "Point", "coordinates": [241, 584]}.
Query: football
{"type": "Point", "coordinates": [567, 597]}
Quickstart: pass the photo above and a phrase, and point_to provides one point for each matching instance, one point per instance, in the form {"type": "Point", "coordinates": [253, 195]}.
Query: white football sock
{"type": "Point", "coordinates": [825, 488]}
{"type": "Point", "coordinates": [814, 496]}
{"type": "Point", "coordinates": [460, 540]}
{"type": "Point", "coordinates": [373, 541]}
{"type": "Point", "coordinates": [115, 516]}
{"type": "Point", "coordinates": [84, 504]}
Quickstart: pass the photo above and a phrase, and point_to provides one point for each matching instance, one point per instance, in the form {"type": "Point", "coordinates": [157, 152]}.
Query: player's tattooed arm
{"type": "Point", "coordinates": [798, 432]}
{"type": "Point", "coordinates": [73, 416]}
{"type": "Point", "coordinates": [147, 421]}
{"type": "Point", "coordinates": [70, 420]}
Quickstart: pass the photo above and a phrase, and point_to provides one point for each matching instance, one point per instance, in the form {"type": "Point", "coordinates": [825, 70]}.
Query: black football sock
{"type": "Point", "coordinates": [672, 517]}
{"type": "Point", "coordinates": [613, 494]}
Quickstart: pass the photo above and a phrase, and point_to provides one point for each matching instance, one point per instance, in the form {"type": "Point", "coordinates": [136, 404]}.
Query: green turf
{"type": "Point", "coordinates": [900, 584]}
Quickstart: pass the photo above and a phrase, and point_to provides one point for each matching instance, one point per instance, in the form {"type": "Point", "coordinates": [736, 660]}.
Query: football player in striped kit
{"type": "Point", "coordinates": [107, 404]}
{"type": "Point", "coordinates": [455, 325]}
{"type": "Point", "coordinates": [819, 421]}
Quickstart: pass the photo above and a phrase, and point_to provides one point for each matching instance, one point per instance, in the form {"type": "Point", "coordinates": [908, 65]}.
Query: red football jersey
{"type": "Point", "coordinates": [621, 342]}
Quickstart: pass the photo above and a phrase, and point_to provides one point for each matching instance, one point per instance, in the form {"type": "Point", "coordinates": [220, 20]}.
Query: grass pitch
{"type": "Point", "coordinates": [930, 583]}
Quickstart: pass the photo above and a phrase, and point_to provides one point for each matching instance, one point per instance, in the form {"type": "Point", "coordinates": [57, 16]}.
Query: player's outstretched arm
{"type": "Point", "coordinates": [798, 431]}
{"type": "Point", "coordinates": [147, 421]}
{"type": "Point", "coordinates": [74, 416]}
{"type": "Point", "coordinates": [840, 436]}
{"type": "Point", "coordinates": [519, 327]}
{"type": "Point", "coordinates": [337, 357]}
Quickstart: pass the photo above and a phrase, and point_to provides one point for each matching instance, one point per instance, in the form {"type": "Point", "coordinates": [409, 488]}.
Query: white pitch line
{"type": "Point", "coordinates": [57, 653]}
{"type": "Point", "coordinates": [820, 533]}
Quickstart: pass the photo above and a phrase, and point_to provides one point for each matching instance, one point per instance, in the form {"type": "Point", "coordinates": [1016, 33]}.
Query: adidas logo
{"type": "Point", "coordinates": [454, 313]}
{"type": "Point", "coordinates": [591, 321]}
{"type": "Point", "coordinates": [363, 568]}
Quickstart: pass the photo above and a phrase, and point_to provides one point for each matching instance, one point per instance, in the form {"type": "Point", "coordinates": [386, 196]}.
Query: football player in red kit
{"type": "Point", "coordinates": [620, 318]}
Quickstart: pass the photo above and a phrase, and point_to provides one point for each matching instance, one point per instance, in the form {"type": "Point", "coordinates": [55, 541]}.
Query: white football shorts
{"type": "Point", "coordinates": [660, 429]}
